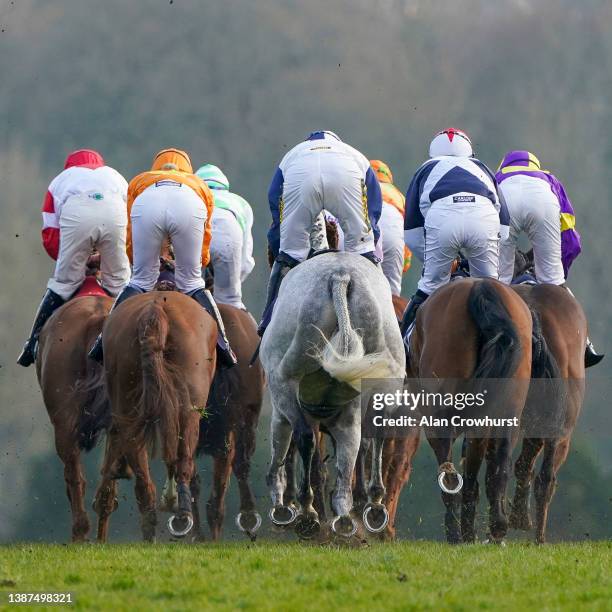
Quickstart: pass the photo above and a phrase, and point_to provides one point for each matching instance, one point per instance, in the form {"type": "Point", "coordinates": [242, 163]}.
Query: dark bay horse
{"type": "Point", "coordinates": [470, 330]}
{"type": "Point", "coordinates": [160, 360]}
{"type": "Point", "coordinates": [229, 428]}
{"type": "Point", "coordinates": [564, 328]}
{"type": "Point", "coordinates": [73, 391]}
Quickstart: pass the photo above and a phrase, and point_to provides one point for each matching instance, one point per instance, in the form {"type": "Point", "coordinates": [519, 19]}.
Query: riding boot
{"type": "Point", "coordinates": [129, 291]}
{"type": "Point", "coordinates": [50, 303]}
{"type": "Point", "coordinates": [591, 356]}
{"type": "Point", "coordinates": [281, 267]}
{"type": "Point", "coordinates": [225, 354]}
{"type": "Point", "coordinates": [410, 313]}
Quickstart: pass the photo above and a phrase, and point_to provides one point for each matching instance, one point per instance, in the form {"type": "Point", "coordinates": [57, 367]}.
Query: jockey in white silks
{"type": "Point", "coordinates": [452, 205]}
{"type": "Point", "coordinates": [539, 206]}
{"type": "Point", "coordinates": [84, 209]}
{"type": "Point", "coordinates": [321, 173]}
{"type": "Point", "coordinates": [231, 246]}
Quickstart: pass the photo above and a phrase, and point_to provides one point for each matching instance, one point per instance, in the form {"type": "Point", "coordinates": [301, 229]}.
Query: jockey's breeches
{"type": "Point", "coordinates": [534, 209]}
{"type": "Point", "coordinates": [87, 223]}
{"type": "Point", "coordinates": [471, 228]}
{"type": "Point", "coordinates": [332, 182]}
{"type": "Point", "coordinates": [226, 249]}
{"type": "Point", "coordinates": [391, 224]}
{"type": "Point", "coordinates": [177, 212]}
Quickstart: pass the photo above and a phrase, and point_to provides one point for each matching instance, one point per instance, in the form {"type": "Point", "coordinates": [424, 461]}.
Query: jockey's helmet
{"type": "Point", "coordinates": [84, 158]}
{"type": "Point", "coordinates": [213, 177]}
{"type": "Point", "coordinates": [172, 159]}
{"type": "Point", "coordinates": [451, 141]}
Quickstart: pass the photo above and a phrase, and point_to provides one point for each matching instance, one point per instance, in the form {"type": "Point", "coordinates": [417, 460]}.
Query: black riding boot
{"type": "Point", "coordinates": [50, 303]}
{"type": "Point", "coordinates": [224, 351]}
{"type": "Point", "coordinates": [95, 352]}
{"type": "Point", "coordinates": [281, 267]}
{"type": "Point", "coordinates": [591, 356]}
{"type": "Point", "coordinates": [411, 310]}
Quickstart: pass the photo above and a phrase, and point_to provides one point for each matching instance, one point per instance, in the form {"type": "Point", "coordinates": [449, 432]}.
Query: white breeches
{"type": "Point", "coordinates": [85, 224]}
{"type": "Point", "coordinates": [173, 211]}
{"type": "Point", "coordinates": [392, 232]}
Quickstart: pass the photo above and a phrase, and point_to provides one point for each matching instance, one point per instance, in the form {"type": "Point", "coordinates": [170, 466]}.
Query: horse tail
{"type": "Point", "coordinates": [159, 405]}
{"type": "Point", "coordinates": [343, 356]}
{"type": "Point", "coordinates": [543, 362]}
{"type": "Point", "coordinates": [95, 414]}
{"type": "Point", "coordinates": [499, 351]}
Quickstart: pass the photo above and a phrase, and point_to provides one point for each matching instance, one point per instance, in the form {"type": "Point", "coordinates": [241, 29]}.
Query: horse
{"type": "Point", "coordinates": [466, 331]}
{"type": "Point", "coordinates": [72, 387]}
{"type": "Point", "coordinates": [159, 360]}
{"type": "Point", "coordinates": [228, 432]}
{"type": "Point", "coordinates": [333, 324]}
{"type": "Point", "coordinates": [564, 328]}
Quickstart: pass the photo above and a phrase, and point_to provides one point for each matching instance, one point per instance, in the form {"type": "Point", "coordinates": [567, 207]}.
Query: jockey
{"type": "Point", "coordinates": [452, 205]}
{"type": "Point", "coordinates": [170, 201]}
{"type": "Point", "coordinates": [84, 208]}
{"type": "Point", "coordinates": [396, 255]}
{"type": "Point", "coordinates": [231, 247]}
{"type": "Point", "coordinates": [539, 206]}
{"type": "Point", "coordinates": [320, 173]}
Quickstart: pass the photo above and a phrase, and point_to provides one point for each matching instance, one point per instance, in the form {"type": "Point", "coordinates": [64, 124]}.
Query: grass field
{"type": "Point", "coordinates": [270, 576]}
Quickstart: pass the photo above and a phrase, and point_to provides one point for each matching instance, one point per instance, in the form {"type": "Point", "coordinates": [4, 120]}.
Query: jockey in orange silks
{"type": "Point", "coordinates": [171, 201]}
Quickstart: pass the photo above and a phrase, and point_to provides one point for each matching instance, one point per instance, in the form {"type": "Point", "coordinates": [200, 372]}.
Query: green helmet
{"type": "Point", "coordinates": [213, 177]}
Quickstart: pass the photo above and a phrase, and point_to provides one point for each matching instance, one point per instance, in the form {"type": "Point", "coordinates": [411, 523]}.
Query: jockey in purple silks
{"type": "Point", "coordinates": [539, 206]}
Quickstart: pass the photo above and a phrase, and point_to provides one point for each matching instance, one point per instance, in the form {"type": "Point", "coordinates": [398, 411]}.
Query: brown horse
{"type": "Point", "coordinates": [470, 330]}
{"type": "Point", "coordinates": [73, 391]}
{"type": "Point", "coordinates": [564, 328]}
{"type": "Point", "coordinates": [229, 429]}
{"type": "Point", "coordinates": [160, 359]}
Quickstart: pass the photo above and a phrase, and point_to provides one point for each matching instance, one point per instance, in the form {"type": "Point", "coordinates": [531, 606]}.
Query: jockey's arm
{"type": "Point", "coordinates": [50, 229]}
{"type": "Point", "coordinates": [275, 195]}
{"type": "Point", "coordinates": [374, 200]}
{"type": "Point", "coordinates": [504, 215]}
{"type": "Point", "coordinates": [414, 222]}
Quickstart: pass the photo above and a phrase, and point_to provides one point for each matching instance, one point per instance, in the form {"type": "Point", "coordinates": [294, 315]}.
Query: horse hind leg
{"type": "Point", "coordinates": [215, 507]}
{"type": "Point", "coordinates": [145, 492]}
{"type": "Point", "coordinates": [105, 499]}
{"type": "Point", "coordinates": [375, 514]}
{"type": "Point", "coordinates": [496, 481]}
{"type": "Point", "coordinates": [307, 523]}
{"type": "Point", "coordinates": [195, 487]}
{"type": "Point", "coordinates": [555, 454]}
{"type": "Point", "coordinates": [475, 451]}
{"type": "Point", "coordinates": [523, 470]}
{"type": "Point", "coordinates": [68, 451]}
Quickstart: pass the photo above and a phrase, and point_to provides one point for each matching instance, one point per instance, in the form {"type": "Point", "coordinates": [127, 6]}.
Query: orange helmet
{"type": "Point", "coordinates": [383, 172]}
{"type": "Point", "coordinates": [172, 159]}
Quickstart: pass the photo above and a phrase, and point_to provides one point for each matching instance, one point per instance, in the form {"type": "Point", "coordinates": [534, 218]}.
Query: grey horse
{"type": "Point", "coordinates": [333, 325]}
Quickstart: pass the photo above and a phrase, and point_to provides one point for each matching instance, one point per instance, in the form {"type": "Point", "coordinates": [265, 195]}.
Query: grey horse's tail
{"type": "Point", "coordinates": [343, 356]}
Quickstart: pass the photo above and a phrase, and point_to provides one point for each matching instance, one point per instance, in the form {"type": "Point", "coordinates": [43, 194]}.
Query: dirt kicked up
{"type": "Point", "coordinates": [401, 576]}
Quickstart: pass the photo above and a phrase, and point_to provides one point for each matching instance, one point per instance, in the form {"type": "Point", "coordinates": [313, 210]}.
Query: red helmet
{"type": "Point", "coordinates": [86, 158]}
{"type": "Point", "coordinates": [451, 141]}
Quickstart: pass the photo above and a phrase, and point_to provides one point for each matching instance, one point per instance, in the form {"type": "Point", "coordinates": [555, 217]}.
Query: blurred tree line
{"type": "Point", "coordinates": [237, 83]}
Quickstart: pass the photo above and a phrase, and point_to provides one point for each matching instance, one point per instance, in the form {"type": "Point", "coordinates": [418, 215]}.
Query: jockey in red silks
{"type": "Point", "coordinates": [84, 208]}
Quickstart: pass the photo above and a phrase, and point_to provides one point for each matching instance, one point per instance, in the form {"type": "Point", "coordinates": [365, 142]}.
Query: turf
{"type": "Point", "coordinates": [272, 576]}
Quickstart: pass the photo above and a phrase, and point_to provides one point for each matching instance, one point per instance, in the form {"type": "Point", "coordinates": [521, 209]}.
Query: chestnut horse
{"type": "Point", "coordinates": [159, 359]}
{"type": "Point", "coordinates": [228, 432]}
{"type": "Point", "coordinates": [73, 391]}
{"type": "Point", "coordinates": [469, 330]}
{"type": "Point", "coordinates": [564, 328]}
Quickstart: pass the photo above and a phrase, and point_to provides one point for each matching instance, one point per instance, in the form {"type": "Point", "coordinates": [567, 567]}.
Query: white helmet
{"type": "Point", "coordinates": [451, 142]}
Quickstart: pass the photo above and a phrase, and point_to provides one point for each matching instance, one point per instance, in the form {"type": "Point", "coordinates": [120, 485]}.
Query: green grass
{"type": "Point", "coordinates": [271, 576]}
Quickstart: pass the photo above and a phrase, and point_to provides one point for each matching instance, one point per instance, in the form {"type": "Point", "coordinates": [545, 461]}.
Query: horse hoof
{"type": "Point", "coordinates": [168, 505]}
{"type": "Point", "coordinates": [454, 491]}
{"type": "Point", "coordinates": [307, 526]}
{"type": "Point", "coordinates": [180, 526]}
{"type": "Point", "coordinates": [380, 518]}
{"type": "Point", "coordinates": [248, 522]}
{"type": "Point", "coordinates": [344, 526]}
{"type": "Point", "coordinates": [283, 515]}
{"type": "Point", "coordinates": [501, 543]}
